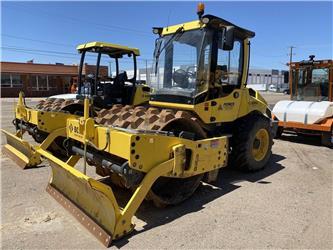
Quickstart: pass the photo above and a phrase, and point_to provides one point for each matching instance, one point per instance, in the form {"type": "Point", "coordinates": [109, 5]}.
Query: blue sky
{"type": "Point", "coordinates": [30, 30]}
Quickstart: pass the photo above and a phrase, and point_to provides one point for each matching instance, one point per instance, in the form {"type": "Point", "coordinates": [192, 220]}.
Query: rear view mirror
{"type": "Point", "coordinates": [158, 43]}
{"type": "Point", "coordinates": [229, 38]}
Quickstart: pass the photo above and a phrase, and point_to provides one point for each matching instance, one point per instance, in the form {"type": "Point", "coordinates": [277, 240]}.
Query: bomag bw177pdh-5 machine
{"type": "Point", "coordinates": [199, 111]}
{"type": "Point", "coordinates": [310, 110]}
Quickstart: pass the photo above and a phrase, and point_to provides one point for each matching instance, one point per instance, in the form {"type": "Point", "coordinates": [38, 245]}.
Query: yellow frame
{"type": "Point", "coordinates": [44, 120]}
{"type": "Point", "coordinates": [101, 213]}
{"type": "Point", "coordinates": [237, 104]}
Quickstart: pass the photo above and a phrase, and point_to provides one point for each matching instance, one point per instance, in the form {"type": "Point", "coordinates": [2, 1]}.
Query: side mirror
{"type": "Point", "coordinates": [229, 38]}
{"type": "Point", "coordinates": [158, 43]}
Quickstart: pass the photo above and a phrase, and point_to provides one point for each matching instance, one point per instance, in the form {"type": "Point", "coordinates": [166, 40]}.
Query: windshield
{"type": "Point", "coordinates": [310, 84]}
{"type": "Point", "coordinates": [177, 60]}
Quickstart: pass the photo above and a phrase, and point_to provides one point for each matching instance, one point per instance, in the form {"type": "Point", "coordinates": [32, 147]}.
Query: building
{"type": "Point", "coordinates": [40, 80]}
{"type": "Point", "coordinates": [263, 79]}
{"type": "Point", "coordinates": [36, 80]}
{"type": "Point", "coordinates": [258, 79]}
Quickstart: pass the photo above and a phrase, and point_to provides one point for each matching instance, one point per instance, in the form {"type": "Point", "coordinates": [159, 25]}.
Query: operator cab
{"type": "Point", "coordinates": [310, 80]}
{"type": "Point", "coordinates": [199, 60]}
{"type": "Point", "coordinates": [104, 74]}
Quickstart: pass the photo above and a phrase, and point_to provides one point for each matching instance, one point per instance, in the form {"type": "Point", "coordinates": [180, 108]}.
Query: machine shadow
{"type": "Point", "coordinates": [312, 140]}
{"type": "Point", "coordinates": [226, 183]}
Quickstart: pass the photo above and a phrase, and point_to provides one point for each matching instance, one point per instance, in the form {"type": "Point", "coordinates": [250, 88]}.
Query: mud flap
{"type": "Point", "coordinates": [91, 202]}
{"type": "Point", "coordinates": [20, 151]}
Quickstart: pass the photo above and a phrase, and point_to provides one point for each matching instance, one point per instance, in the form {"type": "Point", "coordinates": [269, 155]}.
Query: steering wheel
{"type": "Point", "coordinates": [181, 77]}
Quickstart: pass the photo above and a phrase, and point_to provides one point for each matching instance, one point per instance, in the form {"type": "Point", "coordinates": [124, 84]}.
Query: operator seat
{"type": "Point", "coordinates": [114, 92]}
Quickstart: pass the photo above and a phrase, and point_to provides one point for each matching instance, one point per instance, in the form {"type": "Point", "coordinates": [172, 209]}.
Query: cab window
{"type": "Point", "coordinates": [229, 64]}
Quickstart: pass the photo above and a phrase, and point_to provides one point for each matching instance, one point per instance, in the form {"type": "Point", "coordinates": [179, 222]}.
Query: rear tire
{"type": "Point", "coordinates": [251, 143]}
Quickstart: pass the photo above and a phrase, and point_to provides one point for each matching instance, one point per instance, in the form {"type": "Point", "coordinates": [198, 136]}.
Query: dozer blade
{"type": "Point", "coordinates": [20, 151]}
{"type": "Point", "coordinates": [91, 202]}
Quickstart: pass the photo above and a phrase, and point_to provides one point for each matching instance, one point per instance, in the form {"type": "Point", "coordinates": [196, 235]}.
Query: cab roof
{"type": "Point", "coordinates": [110, 48]}
{"type": "Point", "coordinates": [214, 22]}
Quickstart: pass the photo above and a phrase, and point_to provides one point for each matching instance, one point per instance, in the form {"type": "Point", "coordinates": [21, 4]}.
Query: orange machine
{"type": "Point", "coordinates": [310, 109]}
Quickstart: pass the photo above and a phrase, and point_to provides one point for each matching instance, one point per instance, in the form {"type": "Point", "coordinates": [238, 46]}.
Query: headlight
{"type": "Point", "coordinates": [205, 20]}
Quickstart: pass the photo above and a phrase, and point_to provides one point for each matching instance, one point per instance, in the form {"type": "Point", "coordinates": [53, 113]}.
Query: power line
{"type": "Point", "coordinates": [37, 53]}
{"type": "Point", "coordinates": [39, 41]}
{"type": "Point", "coordinates": [272, 56]}
{"type": "Point", "coordinates": [77, 20]}
{"type": "Point", "coordinates": [53, 55]}
{"type": "Point", "coordinates": [43, 51]}
{"type": "Point", "coordinates": [46, 42]}
{"type": "Point", "coordinates": [60, 53]}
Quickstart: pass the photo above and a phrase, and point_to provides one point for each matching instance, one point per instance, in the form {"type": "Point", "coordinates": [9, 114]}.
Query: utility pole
{"type": "Point", "coordinates": [291, 54]}
{"type": "Point", "coordinates": [290, 61]}
{"type": "Point", "coordinates": [146, 71]}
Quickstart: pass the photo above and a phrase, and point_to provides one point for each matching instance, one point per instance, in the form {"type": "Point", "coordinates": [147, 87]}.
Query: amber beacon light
{"type": "Point", "coordinates": [200, 9]}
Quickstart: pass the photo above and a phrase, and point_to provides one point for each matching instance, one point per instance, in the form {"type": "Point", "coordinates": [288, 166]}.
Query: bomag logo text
{"type": "Point", "coordinates": [74, 129]}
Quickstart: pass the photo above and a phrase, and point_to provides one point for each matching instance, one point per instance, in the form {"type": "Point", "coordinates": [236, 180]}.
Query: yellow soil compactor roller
{"type": "Point", "coordinates": [200, 117]}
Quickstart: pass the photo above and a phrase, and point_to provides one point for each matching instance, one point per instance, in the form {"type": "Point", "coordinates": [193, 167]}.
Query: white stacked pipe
{"type": "Point", "coordinates": [303, 111]}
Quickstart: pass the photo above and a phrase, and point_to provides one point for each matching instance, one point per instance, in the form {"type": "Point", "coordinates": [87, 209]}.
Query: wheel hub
{"type": "Point", "coordinates": [256, 143]}
{"type": "Point", "coordinates": [260, 144]}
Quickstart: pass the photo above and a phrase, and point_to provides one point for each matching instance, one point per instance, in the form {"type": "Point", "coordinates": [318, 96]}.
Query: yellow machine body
{"type": "Point", "coordinates": [226, 109]}
{"type": "Point", "coordinates": [198, 150]}
{"type": "Point", "coordinates": [142, 94]}
{"type": "Point", "coordinates": [93, 202]}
